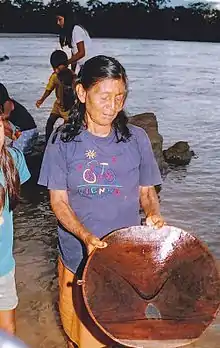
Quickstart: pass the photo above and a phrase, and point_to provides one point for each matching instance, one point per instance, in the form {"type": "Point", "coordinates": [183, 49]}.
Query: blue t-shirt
{"type": "Point", "coordinates": [7, 261]}
{"type": "Point", "coordinates": [102, 178]}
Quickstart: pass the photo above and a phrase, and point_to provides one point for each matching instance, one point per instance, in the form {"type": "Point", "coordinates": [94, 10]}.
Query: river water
{"type": "Point", "coordinates": [180, 83]}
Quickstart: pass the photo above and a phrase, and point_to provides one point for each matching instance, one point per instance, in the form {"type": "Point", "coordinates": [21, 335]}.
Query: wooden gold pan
{"type": "Point", "coordinates": [152, 288]}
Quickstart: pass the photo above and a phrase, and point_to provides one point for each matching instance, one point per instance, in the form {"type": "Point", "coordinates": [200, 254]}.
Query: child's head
{"type": "Point", "coordinates": [58, 60]}
{"type": "Point", "coordinates": [2, 202]}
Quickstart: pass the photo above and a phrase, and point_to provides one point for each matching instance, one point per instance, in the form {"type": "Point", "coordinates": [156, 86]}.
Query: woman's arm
{"type": "Point", "coordinates": [80, 54]}
{"type": "Point", "coordinates": [67, 217]}
{"type": "Point", "coordinates": [151, 206]}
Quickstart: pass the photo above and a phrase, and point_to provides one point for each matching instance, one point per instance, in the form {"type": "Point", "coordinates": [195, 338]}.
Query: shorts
{"type": "Point", "coordinates": [57, 110]}
{"type": "Point", "coordinates": [8, 293]}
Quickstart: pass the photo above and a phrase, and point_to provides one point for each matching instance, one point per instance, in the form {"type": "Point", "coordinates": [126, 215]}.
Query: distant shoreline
{"type": "Point", "coordinates": [47, 35]}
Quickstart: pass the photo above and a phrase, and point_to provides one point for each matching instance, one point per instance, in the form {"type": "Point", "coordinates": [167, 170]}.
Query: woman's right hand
{"type": "Point", "coordinates": [92, 242]}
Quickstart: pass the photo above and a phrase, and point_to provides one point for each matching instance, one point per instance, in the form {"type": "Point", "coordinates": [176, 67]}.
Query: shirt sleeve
{"type": "Point", "coordinates": [21, 166]}
{"type": "Point", "coordinates": [3, 94]}
{"type": "Point", "coordinates": [149, 170]}
{"type": "Point", "coordinates": [53, 173]}
{"type": "Point", "coordinates": [78, 34]}
{"type": "Point", "coordinates": [52, 82]}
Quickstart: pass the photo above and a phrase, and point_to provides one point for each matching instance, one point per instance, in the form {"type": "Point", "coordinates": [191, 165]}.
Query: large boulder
{"type": "Point", "coordinates": [148, 122]}
{"type": "Point", "coordinates": [34, 159]}
{"type": "Point", "coordinates": [178, 154]}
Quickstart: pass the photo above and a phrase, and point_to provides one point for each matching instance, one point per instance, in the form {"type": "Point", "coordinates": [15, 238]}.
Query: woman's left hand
{"type": "Point", "coordinates": [156, 221]}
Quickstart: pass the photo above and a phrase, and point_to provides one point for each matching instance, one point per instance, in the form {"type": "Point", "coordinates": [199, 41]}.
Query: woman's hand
{"type": "Point", "coordinates": [92, 242]}
{"type": "Point", "coordinates": [156, 221]}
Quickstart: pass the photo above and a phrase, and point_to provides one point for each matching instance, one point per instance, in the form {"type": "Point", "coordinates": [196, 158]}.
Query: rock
{"type": "Point", "coordinates": [34, 159]}
{"type": "Point", "coordinates": [148, 122]}
{"type": "Point", "coordinates": [2, 59]}
{"type": "Point", "coordinates": [178, 154]}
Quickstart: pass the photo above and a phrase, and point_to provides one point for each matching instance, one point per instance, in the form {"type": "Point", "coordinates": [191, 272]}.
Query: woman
{"type": "Point", "coordinates": [21, 124]}
{"type": "Point", "coordinates": [97, 168]}
{"type": "Point", "coordinates": [75, 36]}
{"type": "Point", "coordinates": [13, 172]}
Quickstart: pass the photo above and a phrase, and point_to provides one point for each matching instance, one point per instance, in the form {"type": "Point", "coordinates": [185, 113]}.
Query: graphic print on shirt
{"type": "Point", "coordinates": [98, 178]}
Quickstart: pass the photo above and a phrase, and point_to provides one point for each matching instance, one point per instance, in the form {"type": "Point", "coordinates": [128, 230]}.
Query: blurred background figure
{"type": "Point", "coordinates": [61, 81]}
{"type": "Point", "coordinates": [21, 129]}
{"type": "Point", "coordinates": [75, 36]}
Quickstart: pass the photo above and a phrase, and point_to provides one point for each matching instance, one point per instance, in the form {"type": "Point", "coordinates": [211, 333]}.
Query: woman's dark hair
{"type": "Point", "coordinates": [2, 197]}
{"type": "Point", "coordinates": [66, 78]}
{"type": "Point", "coordinates": [70, 20]}
{"type": "Point", "coordinates": [11, 177]}
{"type": "Point", "coordinates": [93, 71]}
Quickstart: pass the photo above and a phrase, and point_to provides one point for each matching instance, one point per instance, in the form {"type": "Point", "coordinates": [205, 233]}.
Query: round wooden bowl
{"type": "Point", "coordinates": [152, 288]}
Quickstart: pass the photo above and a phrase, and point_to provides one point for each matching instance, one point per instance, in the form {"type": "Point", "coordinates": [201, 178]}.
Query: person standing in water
{"type": "Point", "coordinates": [75, 36]}
{"type": "Point", "coordinates": [97, 168]}
{"type": "Point", "coordinates": [13, 173]}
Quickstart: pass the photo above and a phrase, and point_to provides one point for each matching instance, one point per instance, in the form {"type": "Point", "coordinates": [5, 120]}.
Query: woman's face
{"type": "Point", "coordinates": [103, 101]}
{"type": "Point", "coordinates": [60, 21]}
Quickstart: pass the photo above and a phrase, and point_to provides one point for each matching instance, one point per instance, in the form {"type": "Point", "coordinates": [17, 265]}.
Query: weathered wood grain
{"type": "Point", "coordinates": [152, 285]}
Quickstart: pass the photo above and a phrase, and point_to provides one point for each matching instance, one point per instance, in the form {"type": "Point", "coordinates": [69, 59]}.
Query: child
{"type": "Point", "coordinates": [13, 173]}
{"type": "Point", "coordinates": [59, 62]}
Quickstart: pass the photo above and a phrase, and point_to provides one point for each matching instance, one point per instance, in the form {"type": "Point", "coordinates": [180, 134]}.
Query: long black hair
{"type": "Point", "coordinates": [93, 71]}
{"type": "Point", "coordinates": [2, 198]}
{"type": "Point", "coordinates": [66, 78]}
{"type": "Point", "coordinates": [70, 20]}
{"type": "Point", "coordinates": [10, 174]}
{"type": "Point", "coordinates": [11, 177]}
